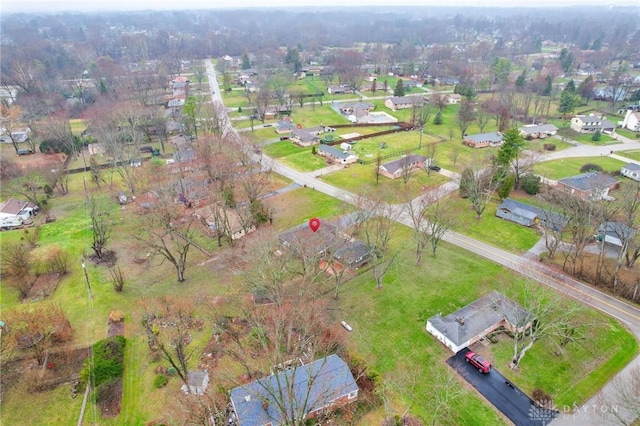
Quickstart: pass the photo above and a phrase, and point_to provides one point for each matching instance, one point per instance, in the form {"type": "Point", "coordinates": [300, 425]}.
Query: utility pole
{"type": "Point", "coordinates": [421, 128]}
{"type": "Point", "coordinates": [86, 277]}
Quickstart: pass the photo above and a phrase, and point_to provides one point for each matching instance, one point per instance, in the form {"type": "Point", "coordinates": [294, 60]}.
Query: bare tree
{"type": "Point", "coordinates": [17, 267]}
{"type": "Point", "coordinates": [466, 116]}
{"type": "Point", "coordinates": [479, 186]}
{"type": "Point", "coordinates": [168, 323]}
{"type": "Point", "coordinates": [168, 231]}
{"type": "Point", "coordinates": [34, 188]}
{"type": "Point", "coordinates": [416, 209]}
{"type": "Point", "coordinates": [548, 317]}
{"type": "Point", "coordinates": [440, 219]}
{"type": "Point", "coordinates": [620, 400]}
{"type": "Point", "coordinates": [37, 328]}
{"type": "Point", "coordinates": [482, 118]}
{"type": "Point", "coordinates": [101, 224]}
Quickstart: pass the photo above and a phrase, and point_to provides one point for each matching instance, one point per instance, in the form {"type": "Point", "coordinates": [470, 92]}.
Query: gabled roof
{"type": "Point", "coordinates": [306, 242]}
{"type": "Point", "coordinates": [304, 136]}
{"type": "Point", "coordinates": [395, 165]}
{"type": "Point", "coordinates": [352, 252]}
{"type": "Point", "coordinates": [403, 100]}
{"type": "Point", "coordinates": [298, 390]}
{"type": "Point", "coordinates": [484, 137]}
{"type": "Point", "coordinates": [617, 230]}
{"type": "Point", "coordinates": [13, 206]}
{"type": "Point", "coordinates": [532, 129]}
{"type": "Point", "coordinates": [334, 151]}
{"type": "Point", "coordinates": [632, 167]}
{"type": "Point", "coordinates": [480, 315]}
{"type": "Point", "coordinates": [551, 219]}
{"type": "Point", "coordinates": [589, 181]}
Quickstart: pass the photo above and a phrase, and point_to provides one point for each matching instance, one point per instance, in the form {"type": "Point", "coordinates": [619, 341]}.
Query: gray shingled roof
{"type": "Point", "coordinates": [395, 165]}
{"type": "Point", "coordinates": [334, 151]}
{"type": "Point", "coordinates": [299, 390]}
{"type": "Point", "coordinates": [589, 181]}
{"type": "Point", "coordinates": [540, 128]}
{"type": "Point", "coordinates": [479, 316]}
{"type": "Point", "coordinates": [551, 219]}
{"type": "Point", "coordinates": [484, 137]}
{"type": "Point", "coordinates": [631, 166]}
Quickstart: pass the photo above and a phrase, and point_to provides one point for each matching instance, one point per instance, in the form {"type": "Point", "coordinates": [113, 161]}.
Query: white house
{"type": "Point", "coordinates": [616, 233]}
{"type": "Point", "coordinates": [471, 323]}
{"type": "Point", "coordinates": [336, 155]}
{"type": "Point", "coordinates": [632, 120]}
{"type": "Point", "coordinates": [591, 123]}
{"type": "Point", "coordinates": [631, 170]}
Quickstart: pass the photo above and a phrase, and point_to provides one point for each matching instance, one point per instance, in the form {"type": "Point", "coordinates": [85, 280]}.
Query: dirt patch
{"type": "Point", "coordinates": [44, 286]}
{"type": "Point", "coordinates": [110, 398]}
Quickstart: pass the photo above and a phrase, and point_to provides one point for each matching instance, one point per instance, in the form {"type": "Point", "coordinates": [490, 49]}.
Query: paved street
{"type": "Point", "coordinates": [626, 313]}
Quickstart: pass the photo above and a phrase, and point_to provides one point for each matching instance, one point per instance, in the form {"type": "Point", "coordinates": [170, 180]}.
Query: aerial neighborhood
{"type": "Point", "coordinates": [381, 215]}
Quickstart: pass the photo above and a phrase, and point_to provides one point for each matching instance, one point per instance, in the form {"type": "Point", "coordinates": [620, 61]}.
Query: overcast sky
{"type": "Point", "coordinates": [93, 5]}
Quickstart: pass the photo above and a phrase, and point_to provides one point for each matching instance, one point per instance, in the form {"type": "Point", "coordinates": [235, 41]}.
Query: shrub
{"type": "Point", "coordinates": [549, 147]}
{"type": "Point", "coordinates": [160, 381]}
{"type": "Point", "coordinates": [438, 119]}
{"type": "Point", "coordinates": [57, 260]}
{"type": "Point", "coordinates": [530, 184]}
{"type": "Point", "coordinates": [589, 167]}
{"type": "Point", "coordinates": [597, 135]}
{"type": "Point", "coordinates": [506, 187]}
{"type": "Point", "coordinates": [108, 361]}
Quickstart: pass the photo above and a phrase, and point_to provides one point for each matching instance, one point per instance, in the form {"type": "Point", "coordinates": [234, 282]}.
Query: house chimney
{"type": "Point", "coordinates": [460, 320]}
{"type": "Point", "coordinates": [247, 398]}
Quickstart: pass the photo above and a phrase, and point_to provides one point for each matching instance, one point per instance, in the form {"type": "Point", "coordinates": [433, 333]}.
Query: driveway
{"type": "Point", "coordinates": [503, 394]}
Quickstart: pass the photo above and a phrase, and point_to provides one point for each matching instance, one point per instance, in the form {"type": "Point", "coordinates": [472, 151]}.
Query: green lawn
{"type": "Point", "coordinates": [604, 140]}
{"type": "Point", "coordinates": [358, 178]}
{"type": "Point", "coordinates": [388, 332]}
{"type": "Point", "coordinates": [634, 155]}
{"type": "Point", "coordinates": [77, 126]}
{"type": "Point", "coordinates": [490, 228]}
{"type": "Point", "coordinates": [558, 169]}
{"type": "Point", "coordinates": [629, 134]}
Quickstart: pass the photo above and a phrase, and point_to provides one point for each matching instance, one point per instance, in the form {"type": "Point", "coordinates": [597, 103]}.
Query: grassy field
{"type": "Point", "coordinates": [490, 228]}
{"type": "Point", "coordinates": [566, 167]}
{"type": "Point", "coordinates": [388, 324]}
{"type": "Point", "coordinates": [629, 134]}
{"type": "Point", "coordinates": [634, 155]}
{"type": "Point", "coordinates": [389, 332]}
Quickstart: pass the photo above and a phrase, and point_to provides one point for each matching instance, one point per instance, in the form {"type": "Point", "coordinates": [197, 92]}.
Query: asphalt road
{"type": "Point", "coordinates": [504, 395]}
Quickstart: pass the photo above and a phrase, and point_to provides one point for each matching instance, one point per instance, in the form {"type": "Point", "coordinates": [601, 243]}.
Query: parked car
{"type": "Point", "coordinates": [478, 362]}
{"type": "Point", "coordinates": [25, 151]}
{"type": "Point", "coordinates": [435, 168]}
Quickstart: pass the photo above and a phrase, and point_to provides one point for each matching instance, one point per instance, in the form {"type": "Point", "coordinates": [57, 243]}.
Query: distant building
{"type": "Point", "coordinates": [408, 163]}
{"type": "Point", "coordinates": [538, 131]}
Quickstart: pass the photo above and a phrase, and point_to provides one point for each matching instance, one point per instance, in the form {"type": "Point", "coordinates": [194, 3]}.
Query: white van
{"type": "Point", "coordinates": [10, 222]}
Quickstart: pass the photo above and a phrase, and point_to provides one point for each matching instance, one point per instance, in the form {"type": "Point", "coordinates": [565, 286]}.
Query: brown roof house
{"type": "Point", "coordinates": [408, 163]}
{"type": "Point", "coordinates": [403, 102]}
{"type": "Point", "coordinates": [591, 185]}
{"type": "Point", "coordinates": [471, 323]}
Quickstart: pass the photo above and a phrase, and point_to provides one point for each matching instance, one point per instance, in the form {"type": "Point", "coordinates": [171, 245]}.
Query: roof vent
{"type": "Point", "coordinates": [247, 398]}
{"type": "Point", "coordinates": [460, 320]}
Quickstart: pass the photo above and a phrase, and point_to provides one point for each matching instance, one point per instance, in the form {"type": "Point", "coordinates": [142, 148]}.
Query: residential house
{"type": "Point", "coordinates": [591, 123]}
{"type": "Point", "coordinates": [285, 126]}
{"type": "Point", "coordinates": [20, 210]}
{"type": "Point", "coordinates": [453, 98]}
{"type": "Point", "coordinates": [17, 135]}
{"type": "Point", "coordinates": [538, 131]}
{"type": "Point", "coordinates": [483, 140]}
{"type": "Point", "coordinates": [326, 241]}
{"type": "Point", "coordinates": [198, 382]}
{"type": "Point", "coordinates": [528, 215]}
{"type": "Point", "coordinates": [304, 138]}
{"type": "Point", "coordinates": [339, 90]}
{"type": "Point", "coordinates": [301, 392]}
{"type": "Point", "coordinates": [394, 169]}
{"type": "Point", "coordinates": [616, 233]}
{"type": "Point", "coordinates": [353, 255]}
{"type": "Point", "coordinates": [403, 102]}
{"type": "Point", "coordinates": [631, 170]}
{"type": "Point", "coordinates": [226, 221]}
{"type": "Point", "coordinates": [349, 108]}
{"type": "Point", "coordinates": [336, 155]}
{"type": "Point", "coordinates": [591, 185]}
{"type": "Point", "coordinates": [632, 120]}
{"type": "Point", "coordinates": [471, 323]}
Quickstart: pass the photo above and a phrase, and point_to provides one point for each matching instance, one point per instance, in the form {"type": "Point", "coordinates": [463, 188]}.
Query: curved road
{"type": "Point", "coordinates": [624, 312]}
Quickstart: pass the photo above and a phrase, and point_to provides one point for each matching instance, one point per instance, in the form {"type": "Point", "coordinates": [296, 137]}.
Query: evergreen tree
{"type": "Point", "coordinates": [506, 187]}
{"type": "Point", "coordinates": [438, 119]}
{"type": "Point", "coordinates": [246, 63]}
{"type": "Point", "coordinates": [399, 89]}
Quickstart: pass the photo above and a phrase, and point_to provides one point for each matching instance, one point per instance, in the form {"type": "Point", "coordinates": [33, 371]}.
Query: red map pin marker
{"type": "Point", "coordinates": [314, 224]}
